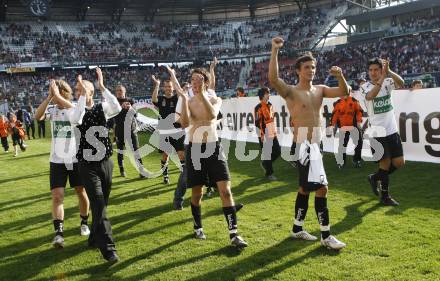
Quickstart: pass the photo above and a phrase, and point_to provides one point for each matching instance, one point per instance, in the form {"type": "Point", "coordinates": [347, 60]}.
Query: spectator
{"type": "Point", "coordinates": [29, 121]}
{"type": "Point", "coordinates": [4, 124]}
{"type": "Point", "coordinates": [416, 84]}
{"type": "Point", "coordinates": [239, 92]}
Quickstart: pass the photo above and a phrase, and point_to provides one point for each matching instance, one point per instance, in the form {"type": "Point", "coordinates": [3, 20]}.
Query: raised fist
{"type": "Point", "coordinates": [277, 43]}
{"type": "Point", "coordinates": [335, 71]}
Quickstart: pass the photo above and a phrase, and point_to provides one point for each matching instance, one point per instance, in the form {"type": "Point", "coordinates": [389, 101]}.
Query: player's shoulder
{"type": "Point", "coordinates": [291, 89]}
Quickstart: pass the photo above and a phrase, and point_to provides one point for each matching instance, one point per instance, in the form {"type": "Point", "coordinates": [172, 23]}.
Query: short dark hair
{"type": "Point", "coordinates": [262, 91]}
{"type": "Point", "coordinates": [167, 81]}
{"type": "Point", "coordinates": [415, 82]}
{"type": "Point", "coordinates": [304, 58]}
{"type": "Point", "coordinates": [240, 89]}
{"type": "Point", "coordinates": [377, 61]}
{"type": "Point", "coordinates": [202, 72]}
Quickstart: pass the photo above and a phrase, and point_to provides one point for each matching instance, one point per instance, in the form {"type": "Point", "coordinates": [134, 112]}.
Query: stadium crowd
{"type": "Point", "coordinates": [128, 41]}
{"type": "Point", "coordinates": [107, 42]}
{"type": "Point", "coordinates": [414, 24]}
{"type": "Point", "coordinates": [32, 87]}
{"type": "Point", "coordinates": [411, 54]}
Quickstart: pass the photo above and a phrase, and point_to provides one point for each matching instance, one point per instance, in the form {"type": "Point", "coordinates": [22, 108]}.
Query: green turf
{"type": "Point", "coordinates": [152, 113]}
{"type": "Point", "coordinates": [155, 242]}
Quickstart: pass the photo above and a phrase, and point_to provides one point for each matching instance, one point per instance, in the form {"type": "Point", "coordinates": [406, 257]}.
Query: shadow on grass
{"type": "Point", "coordinates": [352, 182]}
{"type": "Point", "coordinates": [127, 221]}
{"type": "Point", "coordinates": [100, 270]}
{"type": "Point", "coordinates": [20, 157]}
{"type": "Point", "coordinates": [25, 177]}
{"type": "Point", "coordinates": [121, 223]}
{"type": "Point", "coordinates": [26, 201]}
{"type": "Point", "coordinates": [125, 181]}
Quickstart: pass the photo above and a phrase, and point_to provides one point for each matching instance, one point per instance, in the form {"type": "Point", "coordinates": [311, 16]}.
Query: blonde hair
{"type": "Point", "coordinates": [64, 88]}
{"type": "Point", "coordinates": [89, 86]}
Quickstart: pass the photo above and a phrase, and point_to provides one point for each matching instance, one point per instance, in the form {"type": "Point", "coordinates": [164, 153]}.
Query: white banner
{"type": "Point", "coordinates": [417, 115]}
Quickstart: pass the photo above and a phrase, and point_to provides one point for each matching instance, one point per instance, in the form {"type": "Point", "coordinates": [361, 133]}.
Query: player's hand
{"type": "Point", "coordinates": [182, 94]}
{"type": "Point", "coordinates": [214, 63]}
{"type": "Point", "coordinates": [171, 71]}
{"type": "Point", "coordinates": [155, 80]}
{"type": "Point", "coordinates": [50, 94]}
{"type": "Point", "coordinates": [100, 78]}
{"type": "Point", "coordinates": [54, 89]}
{"type": "Point", "coordinates": [335, 71]}
{"type": "Point", "coordinates": [126, 105]}
{"type": "Point", "coordinates": [83, 88]}
{"type": "Point", "coordinates": [385, 66]}
{"type": "Point", "coordinates": [277, 43]}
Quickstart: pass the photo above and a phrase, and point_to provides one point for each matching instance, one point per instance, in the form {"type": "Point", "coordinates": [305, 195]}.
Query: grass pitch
{"type": "Point", "coordinates": [155, 242]}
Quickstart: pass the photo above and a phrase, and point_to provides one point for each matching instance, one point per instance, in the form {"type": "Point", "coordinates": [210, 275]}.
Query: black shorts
{"type": "Point", "coordinates": [392, 146]}
{"type": "Point", "coordinates": [59, 174]}
{"type": "Point", "coordinates": [303, 172]}
{"type": "Point", "coordinates": [171, 143]}
{"type": "Point", "coordinates": [16, 139]}
{"type": "Point", "coordinates": [207, 170]}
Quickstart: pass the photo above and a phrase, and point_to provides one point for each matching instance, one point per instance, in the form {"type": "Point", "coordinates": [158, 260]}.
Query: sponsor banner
{"type": "Point", "coordinates": [19, 69]}
{"type": "Point", "coordinates": [143, 102]}
{"type": "Point", "coordinates": [417, 114]}
{"type": "Point", "coordinates": [33, 64]}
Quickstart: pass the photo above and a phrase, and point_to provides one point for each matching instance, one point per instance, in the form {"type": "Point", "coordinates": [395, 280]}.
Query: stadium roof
{"type": "Point", "coordinates": [148, 9]}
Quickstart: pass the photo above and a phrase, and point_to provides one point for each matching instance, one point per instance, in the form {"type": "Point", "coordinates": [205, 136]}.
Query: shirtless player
{"type": "Point", "coordinates": [304, 102]}
{"type": "Point", "coordinates": [204, 154]}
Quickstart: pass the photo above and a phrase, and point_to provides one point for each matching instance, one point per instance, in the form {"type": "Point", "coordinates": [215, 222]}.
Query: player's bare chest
{"type": "Point", "coordinates": [308, 100]}
{"type": "Point", "coordinates": [196, 107]}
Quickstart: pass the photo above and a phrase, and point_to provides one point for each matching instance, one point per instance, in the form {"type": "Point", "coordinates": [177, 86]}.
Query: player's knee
{"type": "Point", "coordinates": [398, 163]}
{"type": "Point", "coordinates": [322, 192]}
{"type": "Point", "coordinates": [81, 192]}
{"type": "Point", "coordinates": [57, 198]}
{"type": "Point", "coordinates": [196, 200]}
{"type": "Point", "coordinates": [196, 196]}
{"type": "Point", "coordinates": [225, 193]}
{"type": "Point", "coordinates": [384, 163]}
